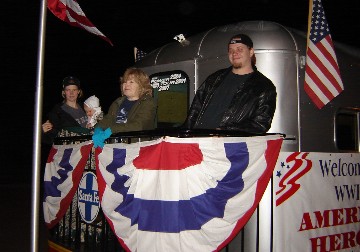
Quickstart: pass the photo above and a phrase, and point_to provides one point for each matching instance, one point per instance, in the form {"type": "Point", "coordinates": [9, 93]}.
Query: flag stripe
{"type": "Point", "coordinates": [165, 214]}
{"type": "Point", "coordinates": [315, 97]}
{"type": "Point", "coordinates": [321, 75]}
{"type": "Point", "coordinates": [70, 12]}
{"type": "Point", "coordinates": [78, 19]}
{"type": "Point", "coordinates": [271, 156]}
{"type": "Point", "coordinates": [327, 66]}
{"type": "Point", "coordinates": [189, 155]}
{"type": "Point", "coordinates": [329, 47]}
{"type": "Point", "coordinates": [318, 79]}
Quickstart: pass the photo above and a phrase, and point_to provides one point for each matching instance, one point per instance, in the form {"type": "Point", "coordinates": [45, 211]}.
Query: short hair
{"type": "Point", "coordinates": [140, 77]}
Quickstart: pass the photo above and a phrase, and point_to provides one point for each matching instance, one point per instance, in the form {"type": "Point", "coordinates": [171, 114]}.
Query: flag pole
{"type": "Point", "coordinates": [309, 23]}
{"type": "Point", "coordinates": [37, 130]}
{"type": "Point", "coordinates": [135, 52]}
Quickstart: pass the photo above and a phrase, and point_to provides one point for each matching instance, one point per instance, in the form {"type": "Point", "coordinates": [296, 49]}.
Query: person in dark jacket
{"type": "Point", "coordinates": [135, 110]}
{"type": "Point", "coordinates": [236, 98]}
{"type": "Point", "coordinates": [68, 116]}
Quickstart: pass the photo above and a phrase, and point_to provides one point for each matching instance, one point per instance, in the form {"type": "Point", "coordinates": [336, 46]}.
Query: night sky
{"type": "Point", "coordinates": [98, 65]}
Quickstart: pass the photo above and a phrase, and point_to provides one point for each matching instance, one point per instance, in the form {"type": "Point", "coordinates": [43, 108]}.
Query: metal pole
{"type": "Point", "coordinates": [37, 130]}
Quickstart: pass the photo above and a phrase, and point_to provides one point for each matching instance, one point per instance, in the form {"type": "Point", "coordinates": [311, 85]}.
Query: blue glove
{"type": "Point", "coordinates": [100, 136]}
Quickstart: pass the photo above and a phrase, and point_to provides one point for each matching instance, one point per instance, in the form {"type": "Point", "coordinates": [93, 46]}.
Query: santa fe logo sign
{"type": "Point", "coordinates": [88, 197]}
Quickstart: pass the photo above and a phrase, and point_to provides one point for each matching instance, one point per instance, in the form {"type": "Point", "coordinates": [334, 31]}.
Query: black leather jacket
{"type": "Point", "coordinates": [251, 109]}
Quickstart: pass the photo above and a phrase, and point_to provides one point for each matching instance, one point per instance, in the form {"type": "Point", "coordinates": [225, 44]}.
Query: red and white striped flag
{"type": "Point", "coordinates": [70, 12]}
{"type": "Point", "coordinates": [322, 74]}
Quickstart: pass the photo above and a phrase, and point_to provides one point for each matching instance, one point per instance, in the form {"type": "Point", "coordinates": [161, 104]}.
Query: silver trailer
{"type": "Point", "coordinates": [177, 69]}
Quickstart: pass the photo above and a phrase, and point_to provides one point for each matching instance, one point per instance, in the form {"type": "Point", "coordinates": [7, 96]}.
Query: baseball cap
{"type": "Point", "coordinates": [241, 38]}
{"type": "Point", "coordinates": [70, 80]}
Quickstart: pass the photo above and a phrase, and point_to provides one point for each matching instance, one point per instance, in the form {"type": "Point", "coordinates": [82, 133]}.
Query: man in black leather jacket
{"type": "Point", "coordinates": [237, 98]}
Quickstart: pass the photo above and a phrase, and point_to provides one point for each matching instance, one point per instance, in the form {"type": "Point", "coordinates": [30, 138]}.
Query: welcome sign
{"type": "Point", "coordinates": [317, 202]}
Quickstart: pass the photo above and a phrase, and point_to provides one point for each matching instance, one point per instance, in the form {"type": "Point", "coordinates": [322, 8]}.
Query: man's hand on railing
{"type": "Point", "coordinates": [100, 136]}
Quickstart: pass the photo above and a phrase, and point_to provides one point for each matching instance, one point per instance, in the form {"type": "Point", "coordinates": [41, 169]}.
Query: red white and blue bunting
{"type": "Point", "coordinates": [172, 194]}
{"type": "Point", "coordinates": [63, 171]}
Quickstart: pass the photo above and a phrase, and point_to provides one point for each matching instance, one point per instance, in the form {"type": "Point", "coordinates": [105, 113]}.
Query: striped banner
{"type": "Point", "coordinates": [175, 194]}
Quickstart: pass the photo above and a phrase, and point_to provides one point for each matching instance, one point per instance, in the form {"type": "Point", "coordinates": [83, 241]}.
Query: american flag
{"type": "Point", "coordinates": [138, 54]}
{"type": "Point", "coordinates": [70, 12]}
{"type": "Point", "coordinates": [322, 74]}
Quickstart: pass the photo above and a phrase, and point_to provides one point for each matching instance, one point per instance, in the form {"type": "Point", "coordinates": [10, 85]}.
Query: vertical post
{"type": "Point", "coordinates": [37, 130]}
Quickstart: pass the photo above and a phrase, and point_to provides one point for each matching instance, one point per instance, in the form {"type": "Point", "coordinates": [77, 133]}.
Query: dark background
{"type": "Point", "coordinates": [73, 51]}
{"type": "Point", "coordinates": [146, 25]}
